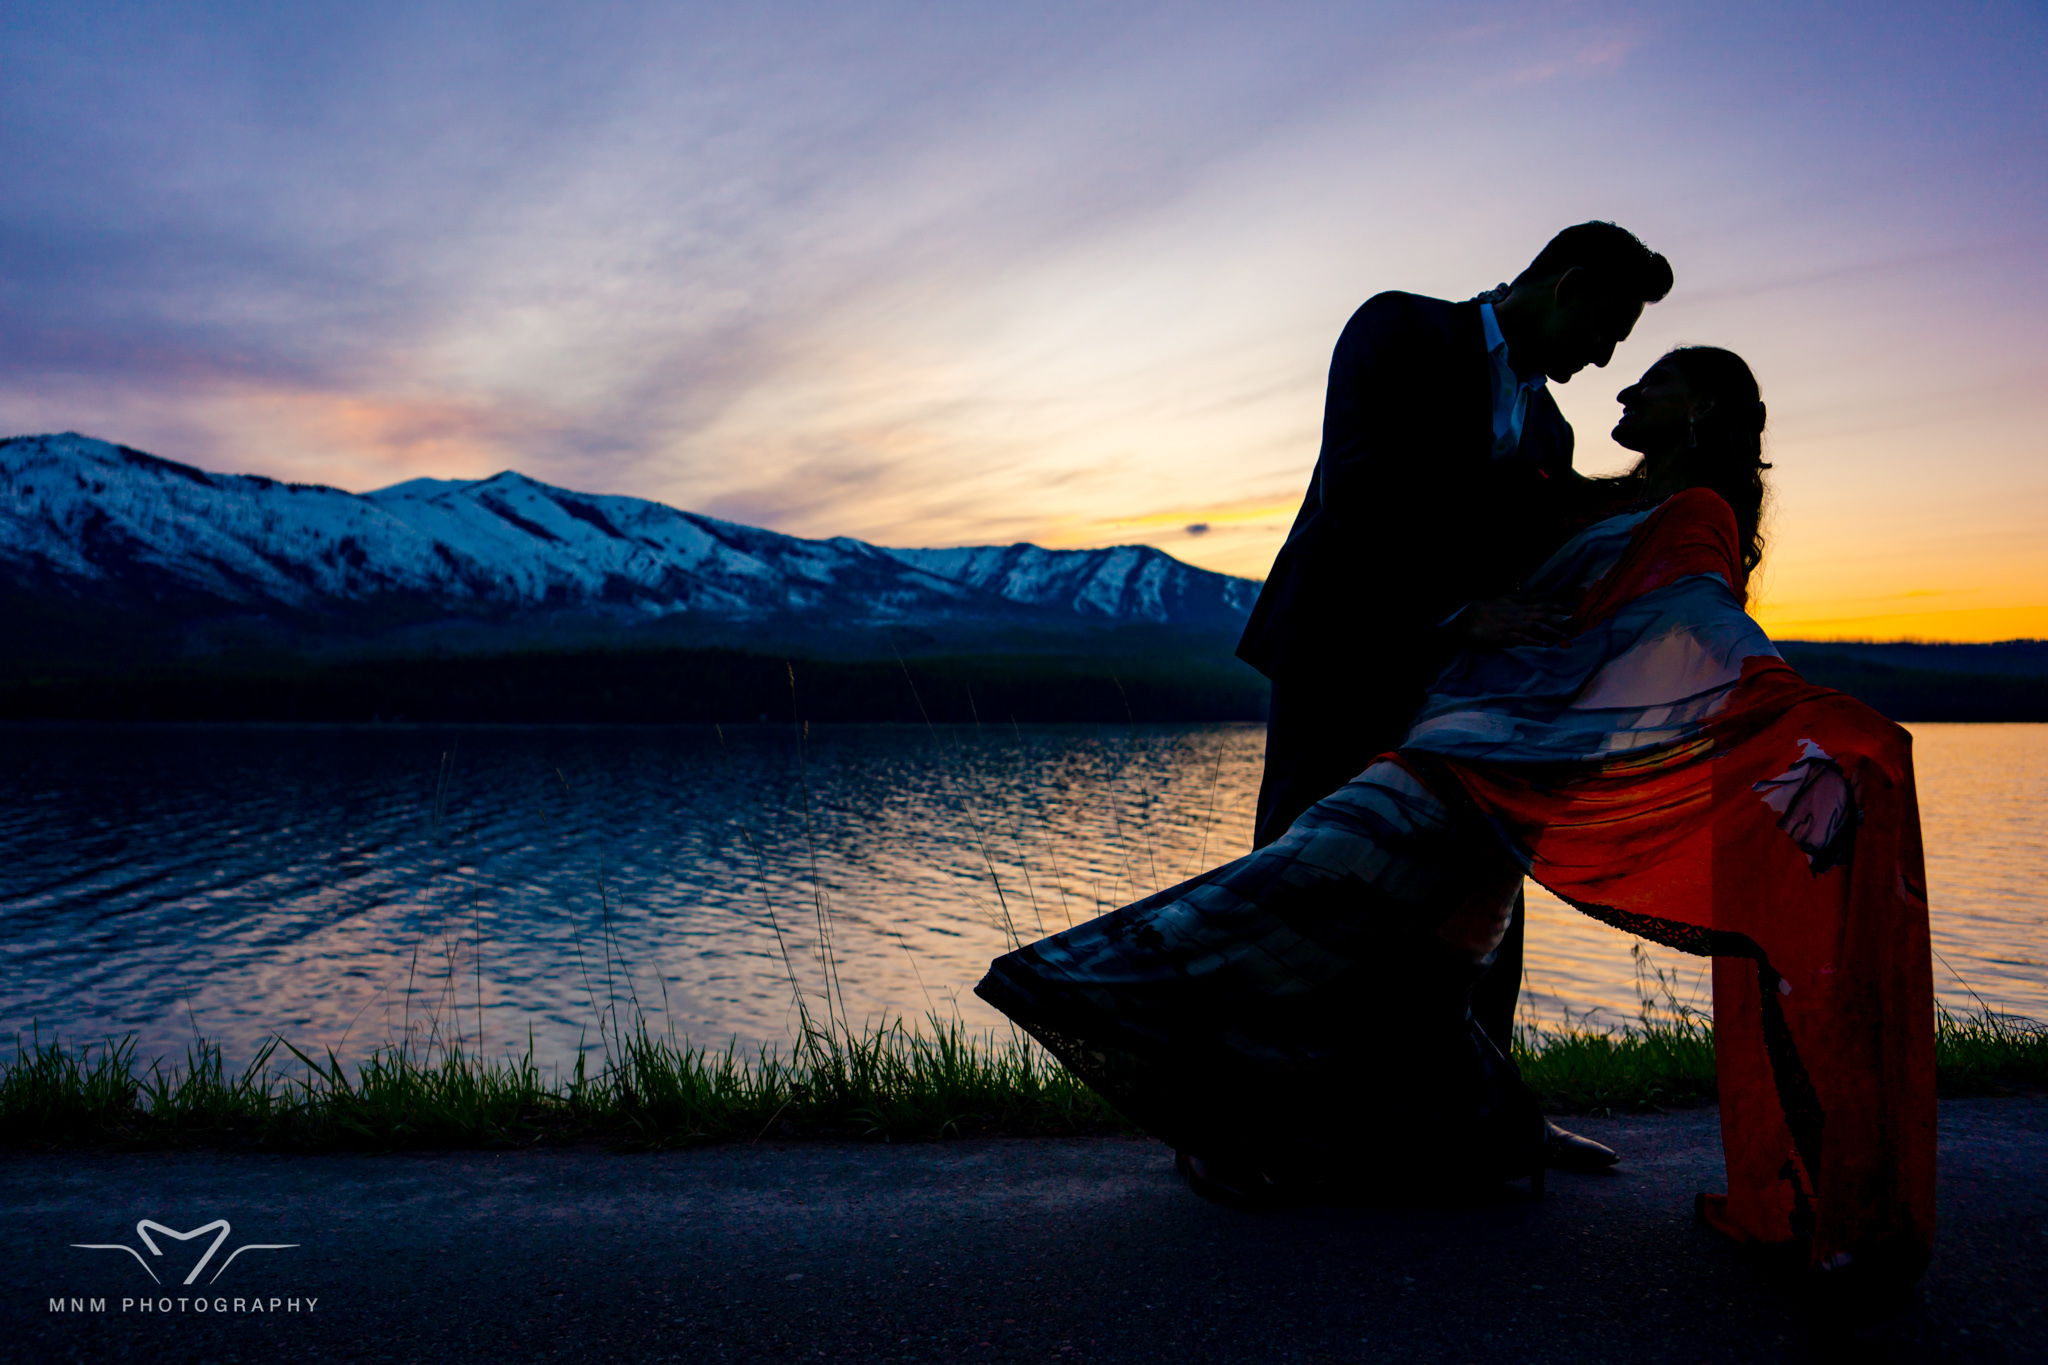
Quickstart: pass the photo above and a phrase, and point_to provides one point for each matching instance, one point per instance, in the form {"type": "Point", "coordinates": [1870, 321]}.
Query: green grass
{"type": "Point", "coordinates": [894, 1083]}
{"type": "Point", "coordinates": [1662, 1062]}
{"type": "Point", "coordinates": [1989, 1054]}
{"type": "Point", "coordinates": [1669, 1062]}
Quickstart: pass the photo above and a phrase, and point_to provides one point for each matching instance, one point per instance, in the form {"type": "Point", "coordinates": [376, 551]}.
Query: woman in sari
{"type": "Point", "coordinates": [1295, 1022]}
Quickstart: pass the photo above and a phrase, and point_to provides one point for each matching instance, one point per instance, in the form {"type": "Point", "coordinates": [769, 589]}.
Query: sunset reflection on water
{"type": "Point", "coordinates": [346, 887]}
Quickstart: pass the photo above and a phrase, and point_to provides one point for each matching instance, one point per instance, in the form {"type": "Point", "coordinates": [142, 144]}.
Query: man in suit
{"type": "Point", "coordinates": [1445, 477]}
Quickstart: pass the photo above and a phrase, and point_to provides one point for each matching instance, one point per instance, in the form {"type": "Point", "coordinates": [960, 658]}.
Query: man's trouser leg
{"type": "Point", "coordinates": [1319, 737]}
{"type": "Point", "coordinates": [1493, 999]}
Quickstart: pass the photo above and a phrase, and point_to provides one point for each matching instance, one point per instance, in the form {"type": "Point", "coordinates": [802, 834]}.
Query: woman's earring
{"type": "Point", "coordinates": [1692, 430]}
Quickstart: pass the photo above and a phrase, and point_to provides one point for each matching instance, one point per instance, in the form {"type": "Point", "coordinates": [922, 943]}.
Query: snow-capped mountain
{"type": "Point", "coordinates": [101, 523]}
{"type": "Point", "coordinates": [1125, 582]}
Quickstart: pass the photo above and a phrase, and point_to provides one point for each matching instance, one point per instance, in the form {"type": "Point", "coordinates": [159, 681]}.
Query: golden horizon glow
{"type": "Point", "coordinates": [1986, 625]}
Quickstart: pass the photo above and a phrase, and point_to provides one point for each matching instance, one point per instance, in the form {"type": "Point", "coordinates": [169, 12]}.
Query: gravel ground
{"type": "Point", "coordinates": [1068, 1251]}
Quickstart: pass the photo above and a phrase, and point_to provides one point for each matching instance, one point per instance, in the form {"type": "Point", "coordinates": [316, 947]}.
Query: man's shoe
{"type": "Point", "coordinates": [1564, 1151]}
{"type": "Point", "coordinates": [1233, 1186]}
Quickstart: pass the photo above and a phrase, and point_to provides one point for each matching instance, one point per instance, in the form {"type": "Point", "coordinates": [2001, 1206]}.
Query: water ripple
{"type": "Point", "coordinates": [345, 886]}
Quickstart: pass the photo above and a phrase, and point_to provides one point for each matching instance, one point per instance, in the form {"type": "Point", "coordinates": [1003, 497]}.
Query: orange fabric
{"type": "Point", "coordinates": [1784, 840]}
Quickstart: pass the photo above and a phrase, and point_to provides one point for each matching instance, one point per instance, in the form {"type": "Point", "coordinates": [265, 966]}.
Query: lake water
{"type": "Point", "coordinates": [346, 887]}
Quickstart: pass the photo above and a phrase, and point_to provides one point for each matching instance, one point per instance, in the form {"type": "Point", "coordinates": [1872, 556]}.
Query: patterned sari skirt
{"type": "Point", "coordinates": [1303, 1009]}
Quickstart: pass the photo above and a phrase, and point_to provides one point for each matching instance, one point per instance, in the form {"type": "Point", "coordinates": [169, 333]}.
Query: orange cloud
{"type": "Point", "coordinates": [1214, 515]}
{"type": "Point", "coordinates": [369, 440]}
{"type": "Point", "coordinates": [1237, 537]}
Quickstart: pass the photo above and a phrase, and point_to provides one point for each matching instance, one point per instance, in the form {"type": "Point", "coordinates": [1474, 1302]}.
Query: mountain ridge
{"type": "Point", "coordinates": [92, 525]}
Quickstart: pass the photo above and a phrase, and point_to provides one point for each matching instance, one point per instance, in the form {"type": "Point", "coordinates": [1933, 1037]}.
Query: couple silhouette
{"type": "Point", "coordinates": [1487, 667]}
{"type": "Point", "coordinates": [1445, 476]}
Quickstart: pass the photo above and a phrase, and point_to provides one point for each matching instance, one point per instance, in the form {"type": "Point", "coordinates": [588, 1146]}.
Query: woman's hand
{"type": "Point", "coordinates": [1507, 622]}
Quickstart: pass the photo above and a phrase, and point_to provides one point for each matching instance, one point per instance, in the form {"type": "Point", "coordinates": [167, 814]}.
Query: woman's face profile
{"type": "Point", "coordinates": [1655, 410]}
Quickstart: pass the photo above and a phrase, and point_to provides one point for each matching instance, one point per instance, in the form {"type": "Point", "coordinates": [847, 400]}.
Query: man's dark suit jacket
{"type": "Point", "coordinates": [1408, 517]}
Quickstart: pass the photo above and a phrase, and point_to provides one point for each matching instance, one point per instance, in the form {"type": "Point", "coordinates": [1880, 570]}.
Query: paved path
{"type": "Point", "coordinates": [1058, 1251]}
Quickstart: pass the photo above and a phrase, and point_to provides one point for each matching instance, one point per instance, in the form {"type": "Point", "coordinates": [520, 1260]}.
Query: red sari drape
{"type": "Point", "coordinates": [1783, 839]}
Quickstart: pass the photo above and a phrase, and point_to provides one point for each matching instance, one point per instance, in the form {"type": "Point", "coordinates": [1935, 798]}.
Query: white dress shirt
{"type": "Point", "coordinates": [1511, 394]}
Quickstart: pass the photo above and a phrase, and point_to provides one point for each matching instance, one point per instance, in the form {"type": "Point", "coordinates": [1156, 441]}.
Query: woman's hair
{"type": "Point", "coordinates": [1726, 447]}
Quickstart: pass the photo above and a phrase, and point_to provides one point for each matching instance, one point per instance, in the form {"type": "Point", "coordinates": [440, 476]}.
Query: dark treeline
{"type": "Point", "coordinates": [2005, 658]}
{"type": "Point", "coordinates": [660, 687]}
{"type": "Point", "coordinates": [1931, 692]}
{"type": "Point", "coordinates": [672, 686]}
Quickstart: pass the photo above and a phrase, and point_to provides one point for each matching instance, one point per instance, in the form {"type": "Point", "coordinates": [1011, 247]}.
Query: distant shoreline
{"type": "Point", "coordinates": [661, 686]}
{"type": "Point", "coordinates": [1153, 681]}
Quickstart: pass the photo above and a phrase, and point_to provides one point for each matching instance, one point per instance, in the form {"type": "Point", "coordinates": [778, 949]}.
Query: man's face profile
{"type": "Point", "coordinates": [1585, 324]}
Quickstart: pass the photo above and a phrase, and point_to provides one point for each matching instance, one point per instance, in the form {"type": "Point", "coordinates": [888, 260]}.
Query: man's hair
{"type": "Point", "coordinates": [1613, 255]}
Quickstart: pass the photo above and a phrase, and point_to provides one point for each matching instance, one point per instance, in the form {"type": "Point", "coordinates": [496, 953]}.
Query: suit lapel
{"type": "Point", "coordinates": [1473, 390]}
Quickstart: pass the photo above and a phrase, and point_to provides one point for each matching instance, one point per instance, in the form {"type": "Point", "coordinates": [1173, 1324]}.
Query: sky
{"type": "Point", "coordinates": [1065, 273]}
